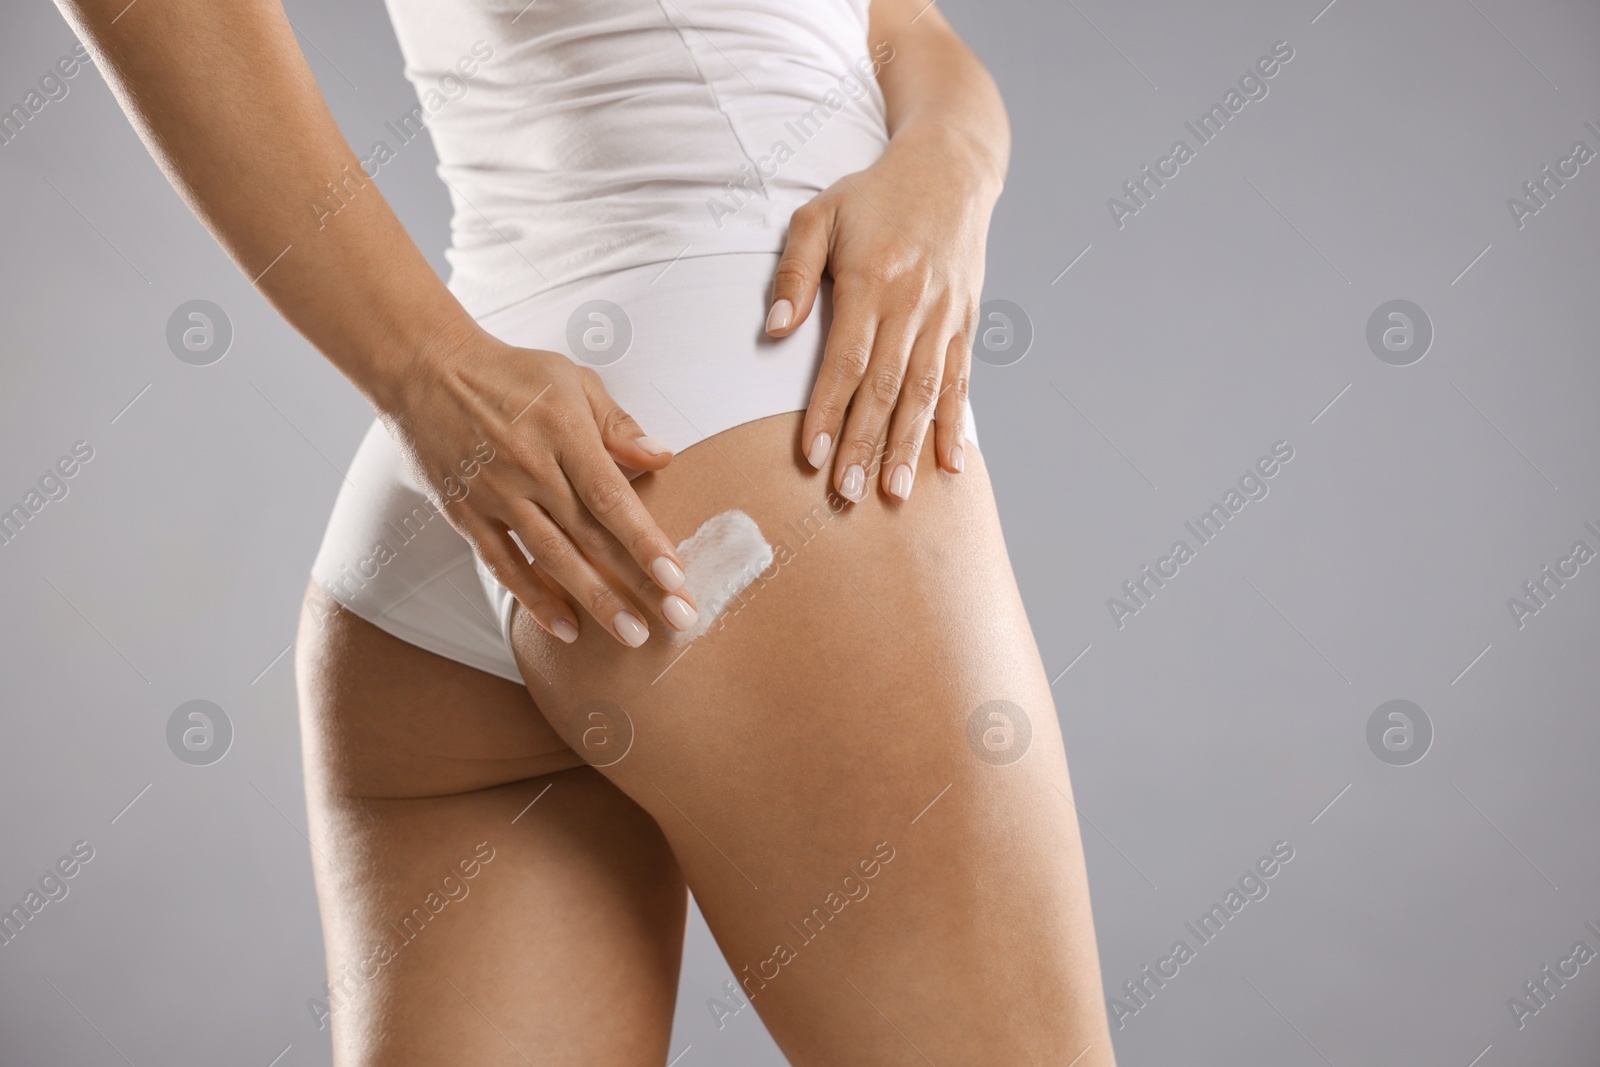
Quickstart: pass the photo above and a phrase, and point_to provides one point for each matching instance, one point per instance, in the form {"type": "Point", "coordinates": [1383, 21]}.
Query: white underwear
{"type": "Point", "coordinates": [698, 363]}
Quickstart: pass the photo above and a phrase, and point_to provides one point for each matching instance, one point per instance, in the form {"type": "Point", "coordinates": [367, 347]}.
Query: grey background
{"type": "Point", "coordinates": [1226, 716]}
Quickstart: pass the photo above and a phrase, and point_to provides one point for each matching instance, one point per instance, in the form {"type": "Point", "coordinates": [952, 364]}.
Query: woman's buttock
{"type": "Point", "coordinates": [875, 692]}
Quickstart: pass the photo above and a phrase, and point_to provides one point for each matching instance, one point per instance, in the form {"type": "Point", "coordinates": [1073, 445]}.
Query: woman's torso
{"type": "Point", "coordinates": [584, 136]}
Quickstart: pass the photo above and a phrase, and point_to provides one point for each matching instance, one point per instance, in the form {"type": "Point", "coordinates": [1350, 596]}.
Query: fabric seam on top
{"type": "Point", "coordinates": [716, 100]}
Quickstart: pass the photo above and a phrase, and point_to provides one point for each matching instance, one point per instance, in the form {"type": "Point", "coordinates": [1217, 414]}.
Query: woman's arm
{"type": "Point", "coordinates": [904, 242]}
{"type": "Point", "coordinates": [221, 95]}
{"type": "Point", "coordinates": [935, 85]}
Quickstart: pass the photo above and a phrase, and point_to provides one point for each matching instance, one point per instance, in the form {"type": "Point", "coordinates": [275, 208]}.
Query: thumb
{"type": "Point", "coordinates": [623, 439]}
{"type": "Point", "coordinates": [794, 285]}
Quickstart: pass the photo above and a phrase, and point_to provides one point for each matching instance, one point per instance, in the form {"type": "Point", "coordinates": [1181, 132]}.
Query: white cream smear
{"type": "Point", "coordinates": [720, 560]}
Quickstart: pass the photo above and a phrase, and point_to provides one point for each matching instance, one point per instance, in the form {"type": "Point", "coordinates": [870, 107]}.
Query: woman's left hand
{"type": "Point", "coordinates": [904, 242]}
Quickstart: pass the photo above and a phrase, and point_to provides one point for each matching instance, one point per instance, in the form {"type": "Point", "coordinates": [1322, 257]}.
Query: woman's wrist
{"type": "Point", "coordinates": [411, 358]}
{"type": "Point", "coordinates": [959, 153]}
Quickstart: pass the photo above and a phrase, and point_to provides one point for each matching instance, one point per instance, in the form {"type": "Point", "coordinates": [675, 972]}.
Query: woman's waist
{"type": "Point", "coordinates": [524, 225]}
{"type": "Point", "coordinates": [640, 157]}
{"type": "Point", "coordinates": [489, 276]}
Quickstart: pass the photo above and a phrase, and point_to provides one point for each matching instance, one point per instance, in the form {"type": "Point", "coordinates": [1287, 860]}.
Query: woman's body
{"type": "Point", "coordinates": [830, 726]}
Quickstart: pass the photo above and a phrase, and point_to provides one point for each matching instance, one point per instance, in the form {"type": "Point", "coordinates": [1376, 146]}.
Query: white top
{"type": "Point", "coordinates": [585, 136]}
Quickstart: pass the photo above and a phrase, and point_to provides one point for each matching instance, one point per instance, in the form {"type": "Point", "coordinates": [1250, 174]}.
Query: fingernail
{"type": "Point", "coordinates": [564, 630]}
{"type": "Point", "coordinates": [668, 575]}
{"type": "Point", "coordinates": [652, 445]}
{"type": "Point", "coordinates": [679, 612]}
{"type": "Point", "coordinates": [900, 482]}
{"type": "Point", "coordinates": [780, 315]}
{"type": "Point", "coordinates": [854, 484]}
{"type": "Point", "coordinates": [818, 454]}
{"type": "Point", "coordinates": [958, 459]}
{"type": "Point", "coordinates": [631, 630]}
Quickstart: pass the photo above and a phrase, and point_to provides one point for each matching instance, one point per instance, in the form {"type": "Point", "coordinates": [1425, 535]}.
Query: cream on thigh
{"type": "Point", "coordinates": [858, 767]}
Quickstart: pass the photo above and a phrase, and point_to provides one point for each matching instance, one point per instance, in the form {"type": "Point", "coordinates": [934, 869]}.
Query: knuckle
{"type": "Point", "coordinates": [792, 272]}
{"type": "Point", "coordinates": [851, 358]}
{"type": "Point", "coordinates": [455, 511]}
{"type": "Point", "coordinates": [922, 389]}
{"type": "Point", "coordinates": [607, 497]}
{"type": "Point", "coordinates": [561, 420]}
{"type": "Point", "coordinates": [507, 572]}
{"type": "Point", "coordinates": [967, 319]}
{"type": "Point", "coordinates": [602, 603]}
{"type": "Point", "coordinates": [499, 563]}
{"type": "Point", "coordinates": [553, 549]}
{"type": "Point", "coordinates": [829, 412]}
{"type": "Point", "coordinates": [806, 215]}
{"type": "Point", "coordinates": [527, 453]}
{"type": "Point", "coordinates": [862, 443]}
{"type": "Point", "coordinates": [880, 273]}
{"type": "Point", "coordinates": [918, 283]}
{"type": "Point", "coordinates": [884, 386]}
{"type": "Point", "coordinates": [617, 423]}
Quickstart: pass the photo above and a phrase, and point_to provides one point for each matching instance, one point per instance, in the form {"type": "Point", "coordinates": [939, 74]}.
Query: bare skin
{"type": "Point", "coordinates": [568, 940]}
{"type": "Point", "coordinates": [806, 734]}
{"type": "Point", "coordinates": [821, 735]}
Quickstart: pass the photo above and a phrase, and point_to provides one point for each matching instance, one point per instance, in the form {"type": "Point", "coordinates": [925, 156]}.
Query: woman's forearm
{"type": "Point", "coordinates": [222, 97]}
{"type": "Point", "coordinates": [936, 91]}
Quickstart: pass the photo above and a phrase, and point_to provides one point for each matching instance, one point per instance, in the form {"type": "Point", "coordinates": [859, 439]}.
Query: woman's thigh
{"type": "Point", "coordinates": [483, 893]}
{"type": "Point", "coordinates": [859, 769]}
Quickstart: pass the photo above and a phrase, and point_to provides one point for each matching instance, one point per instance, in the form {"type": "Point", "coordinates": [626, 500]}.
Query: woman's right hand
{"type": "Point", "coordinates": [525, 441]}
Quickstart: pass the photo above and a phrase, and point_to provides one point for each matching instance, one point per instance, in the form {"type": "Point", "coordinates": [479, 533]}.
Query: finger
{"type": "Point", "coordinates": [623, 438]}
{"type": "Point", "coordinates": [570, 505]}
{"type": "Point", "coordinates": [618, 532]}
{"type": "Point", "coordinates": [799, 273]}
{"type": "Point", "coordinates": [510, 568]}
{"type": "Point", "coordinates": [908, 428]}
{"type": "Point", "coordinates": [844, 362]}
{"type": "Point", "coordinates": [874, 401]}
{"type": "Point", "coordinates": [560, 558]}
{"type": "Point", "coordinates": [950, 414]}
{"type": "Point", "coordinates": [609, 497]}
{"type": "Point", "coordinates": [565, 624]}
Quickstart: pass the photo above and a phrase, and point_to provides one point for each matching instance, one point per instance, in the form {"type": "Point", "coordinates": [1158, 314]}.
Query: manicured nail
{"type": "Point", "coordinates": [668, 575]}
{"type": "Point", "coordinates": [958, 459]}
{"type": "Point", "coordinates": [900, 482]}
{"type": "Point", "coordinates": [564, 630]}
{"type": "Point", "coordinates": [652, 445]}
{"type": "Point", "coordinates": [630, 629]}
{"type": "Point", "coordinates": [679, 612]}
{"type": "Point", "coordinates": [818, 453]}
{"type": "Point", "coordinates": [854, 484]}
{"type": "Point", "coordinates": [780, 315]}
